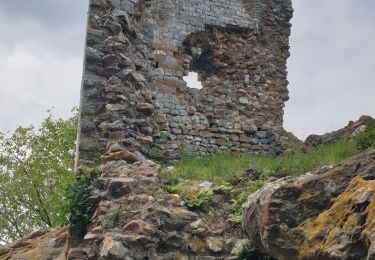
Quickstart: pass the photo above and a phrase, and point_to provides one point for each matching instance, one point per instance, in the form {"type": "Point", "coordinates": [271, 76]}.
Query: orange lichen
{"type": "Point", "coordinates": [199, 245]}
{"type": "Point", "coordinates": [322, 233]}
{"type": "Point", "coordinates": [309, 194]}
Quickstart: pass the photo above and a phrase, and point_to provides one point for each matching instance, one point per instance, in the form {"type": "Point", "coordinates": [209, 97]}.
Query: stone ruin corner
{"type": "Point", "coordinates": [137, 53]}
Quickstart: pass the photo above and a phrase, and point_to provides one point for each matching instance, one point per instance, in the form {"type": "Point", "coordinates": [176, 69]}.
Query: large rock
{"type": "Point", "coordinates": [329, 214]}
{"type": "Point", "coordinates": [39, 245]}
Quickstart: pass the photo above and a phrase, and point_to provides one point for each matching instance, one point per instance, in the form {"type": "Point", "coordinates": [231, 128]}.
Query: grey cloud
{"type": "Point", "coordinates": [46, 26]}
{"type": "Point", "coordinates": [50, 13]}
{"type": "Point", "coordinates": [331, 68]}
{"type": "Point", "coordinates": [331, 65]}
{"type": "Point", "coordinates": [41, 52]}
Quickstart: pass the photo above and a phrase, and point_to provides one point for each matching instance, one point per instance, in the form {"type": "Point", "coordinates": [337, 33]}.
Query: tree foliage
{"type": "Point", "coordinates": [35, 167]}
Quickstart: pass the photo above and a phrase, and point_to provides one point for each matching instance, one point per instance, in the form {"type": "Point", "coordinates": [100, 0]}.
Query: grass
{"type": "Point", "coordinates": [222, 168]}
{"type": "Point", "coordinates": [229, 170]}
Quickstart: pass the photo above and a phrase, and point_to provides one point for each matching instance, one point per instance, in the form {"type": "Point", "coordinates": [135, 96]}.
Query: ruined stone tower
{"type": "Point", "coordinates": [137, 53]}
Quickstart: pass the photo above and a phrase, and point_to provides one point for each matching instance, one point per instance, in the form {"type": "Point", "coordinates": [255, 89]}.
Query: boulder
{"type": "Point", "coordinates": [76, 253]}
{"type": "Point", "coordinates": [42, 244]}
{"type": "Point", "coordinates": [113, 249]}
{"type": "Point", "coordinates": [119, 187]}
{"type": "Point", "coordinates": [328, 214]}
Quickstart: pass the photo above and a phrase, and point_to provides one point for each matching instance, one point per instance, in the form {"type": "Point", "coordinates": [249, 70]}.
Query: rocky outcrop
{"type": "Point", "coordinates": [346, 133]}
{"type": "Point", "coordinates": [328, 214]}
{"type": "Point", "coordinates": [136, 218]}
{"type": "Point", "coordinates": [40, 245]}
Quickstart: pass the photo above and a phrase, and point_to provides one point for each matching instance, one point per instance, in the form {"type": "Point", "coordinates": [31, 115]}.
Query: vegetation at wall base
{"type": "Point", "coordinates": [248, 252]}
{"type": "Point", "coordinates": [225, 167]}
{"type": "Point", "coordinates": [249, 171]}
{"type": "Point", "coordinates": [77, 205]}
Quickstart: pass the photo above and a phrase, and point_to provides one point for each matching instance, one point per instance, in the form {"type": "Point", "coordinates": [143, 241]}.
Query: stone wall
{"type": "Point", "coordinates": [137, 53]}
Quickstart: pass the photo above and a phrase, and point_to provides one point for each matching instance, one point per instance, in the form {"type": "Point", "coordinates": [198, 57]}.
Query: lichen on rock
{"type": "Point", "coordinates": [328, 214]}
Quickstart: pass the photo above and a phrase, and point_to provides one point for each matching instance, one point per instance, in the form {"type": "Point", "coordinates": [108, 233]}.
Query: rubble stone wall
{"type": "Point", "coordinates": [138, 52]}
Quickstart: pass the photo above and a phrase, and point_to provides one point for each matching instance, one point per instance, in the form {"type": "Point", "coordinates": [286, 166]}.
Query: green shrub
{"type": "Point", "coordinates": [200, 200]}
{"type": "Point", "coordinates": [236, 204]}
{"type": "Point", "coordinates": [112, 219]}
{"type": "Point", "coordinates": [158, 155]}
{"type": "Point", "coordinates": [249, 252]}
{"type": "Point", "coordinates": [76, 202]}
{"type": "Point", "coordinates": [365, 139]}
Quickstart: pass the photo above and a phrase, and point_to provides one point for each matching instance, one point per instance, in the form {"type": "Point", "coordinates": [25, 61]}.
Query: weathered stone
{"type": "Point", "coordinates": [197, 245]}
{"type": "Point", "coordinates": [215, 244]}
{"type": "Point", "coordinates": [245, 138]}
{"type": "Point", "coordinates": [146, 108]}
{"type": "Point", "coordinates": [119, 187]}
{"type": "Point", "coordinates": [133, 76]}
{"type": "Point", "coordinates": [43, 244]}
{"type": "Point", "coordinates": [243, 88]}
{"type": "Point", "coordinates": [139, 227]}
{"type": "Point", "coordinates": [261, 134]}
{"type": "Point", "coordinates": [243, 101]}
{"type": "Point", "coordinates": [344, 134]}
{"type": "Point", "coordinates": [112, 249]}
{"type": "Point", "coordinates": [121, 155]}
{"type": "Point", "coordinates": [178, 218]}
{"type": "Point", "coordinates": [115, 107]}
{"type": "Point", "coordinates": [113, 27]}
{"type": "Point", "coordinates": [329, 213]}
{"type": "Point", "coordinates": [76, 253]}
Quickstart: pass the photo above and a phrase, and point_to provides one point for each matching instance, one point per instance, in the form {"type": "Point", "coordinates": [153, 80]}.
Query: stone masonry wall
{"type": "Point", "coordinates": [137, 53]}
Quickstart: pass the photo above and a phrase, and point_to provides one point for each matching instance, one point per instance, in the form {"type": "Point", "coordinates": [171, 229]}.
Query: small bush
{"type": "Point", "coordinates": [112, 219]}
{"type": "Point", "coordinates": [200, 200]}
{"type": "Point", "coordinates": [248, 252]}
{"type": "Point", "coordinates": [76, 202]}
{"type": "Point", "coordinates": [366, 139]}
{"type": "Point", "coordinates": [236, 204]}
{"type": "Point", "coordinates": [159, 156]}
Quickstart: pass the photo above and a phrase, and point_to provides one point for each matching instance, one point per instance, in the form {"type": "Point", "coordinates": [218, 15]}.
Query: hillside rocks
{"type": "Point", "coordinates": [136, 218]}
{"type": "Point", "coordinates": [346, 133]}
{"type": "Point", "coordinates": [328, 214]}
{"type": "Point", "coordinates": [40, 245]}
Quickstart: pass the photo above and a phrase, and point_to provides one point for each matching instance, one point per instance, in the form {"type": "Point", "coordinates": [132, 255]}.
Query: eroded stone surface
{"type": "Point", "coordinates": [40, 245]}
{"type": "Point", "coordinates": [138, 52]}
{"type": "Point", "coordinates": [146, 222]}
{"type": "Point", "coordinates": [328, 214]}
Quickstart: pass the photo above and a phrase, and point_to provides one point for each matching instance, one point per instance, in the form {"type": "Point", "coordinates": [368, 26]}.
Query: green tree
{"type": "Point", "coordinates": [35, 167]}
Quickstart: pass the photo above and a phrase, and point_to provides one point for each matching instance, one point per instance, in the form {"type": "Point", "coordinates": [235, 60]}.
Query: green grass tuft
{"type": "Point", "coordinates": [223, 168]}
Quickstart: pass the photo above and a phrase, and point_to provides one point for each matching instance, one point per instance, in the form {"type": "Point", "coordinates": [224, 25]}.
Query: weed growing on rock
{"type": "Point", "coordinates": [77, 204]}
{"type": "Point", "coordinates": [200, 199]}
{"type": "Point", "coordinates": [366, 139]}
{"type": "Point", "coordinates": [159, 156]}
{"type": "Point", "coordinates": [77, 195]}
{"type": "Point", "coordinates": [111, 219]}
{"type": "Point", "coordinates": [248, 252]}
{"type": "Point", "coordinates": [236, 204]}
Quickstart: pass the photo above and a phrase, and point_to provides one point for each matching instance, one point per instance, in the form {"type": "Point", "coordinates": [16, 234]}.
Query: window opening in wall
{"type": "Point", "coordinates": [192, 80]}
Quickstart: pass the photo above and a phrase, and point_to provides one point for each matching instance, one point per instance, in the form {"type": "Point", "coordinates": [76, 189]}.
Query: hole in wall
{"type": "Point", "coordinates": [192, 80]}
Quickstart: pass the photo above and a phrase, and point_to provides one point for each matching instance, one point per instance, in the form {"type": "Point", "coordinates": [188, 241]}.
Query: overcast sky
{"type": "Point", "coordinates": [331, 68]}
